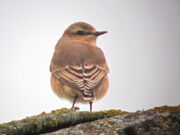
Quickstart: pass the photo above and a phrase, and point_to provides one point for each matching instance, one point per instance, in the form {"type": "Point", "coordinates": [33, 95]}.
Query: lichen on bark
{"type": "Point", "coordinates": [57, 119]}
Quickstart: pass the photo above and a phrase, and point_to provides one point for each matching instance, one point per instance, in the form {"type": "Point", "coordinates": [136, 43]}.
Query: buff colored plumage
{"type": "Point", "coordinates": [78, 67]}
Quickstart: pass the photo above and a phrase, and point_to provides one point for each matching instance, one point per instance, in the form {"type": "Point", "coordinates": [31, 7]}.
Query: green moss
{"type": "Point", "coordinates": [61, 111]}
{"type": "Point", "coordinates": [113, 112]}
{"type": "Point", "coordinates": [165, 108]}
{"type": "Point", "coordinates": [60, 117]}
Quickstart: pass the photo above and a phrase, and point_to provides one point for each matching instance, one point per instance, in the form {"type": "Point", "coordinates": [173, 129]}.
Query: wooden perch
{"type": "Point", "coordinates": [58, 119]}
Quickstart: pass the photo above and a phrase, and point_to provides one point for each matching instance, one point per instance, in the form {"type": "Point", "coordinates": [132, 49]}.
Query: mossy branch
{"type": "Point", "coordinates": [57, 119]}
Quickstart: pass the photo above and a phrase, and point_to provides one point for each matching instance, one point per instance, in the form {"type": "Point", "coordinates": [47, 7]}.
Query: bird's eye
{"type": "Point", "coordinates": [80, 33]}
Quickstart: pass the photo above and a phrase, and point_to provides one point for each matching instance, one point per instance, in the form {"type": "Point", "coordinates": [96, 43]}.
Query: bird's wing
{"type": "Point", "coordinates": [83, 78]}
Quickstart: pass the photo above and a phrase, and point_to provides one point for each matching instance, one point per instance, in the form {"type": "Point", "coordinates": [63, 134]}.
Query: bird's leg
{"type": "Point", "coordinates": [75, 98]}
{"type": "Point", "coordinates": [90, 105]}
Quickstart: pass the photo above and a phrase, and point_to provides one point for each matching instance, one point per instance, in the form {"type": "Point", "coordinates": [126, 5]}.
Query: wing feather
{"type": "Point", "coordinates": [84, 79]}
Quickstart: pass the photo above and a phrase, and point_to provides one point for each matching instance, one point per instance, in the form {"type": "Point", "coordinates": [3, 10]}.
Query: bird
{"type": "Point", "coordinates": [78, 67]}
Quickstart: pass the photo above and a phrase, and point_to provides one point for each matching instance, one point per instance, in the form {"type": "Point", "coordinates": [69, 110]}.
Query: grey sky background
{"type": "Point", "coordinates": [142, 50]}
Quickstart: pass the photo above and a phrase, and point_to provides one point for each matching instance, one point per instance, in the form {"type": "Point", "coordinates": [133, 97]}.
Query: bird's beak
{"type": "Point", "coordinates": [98, 33]}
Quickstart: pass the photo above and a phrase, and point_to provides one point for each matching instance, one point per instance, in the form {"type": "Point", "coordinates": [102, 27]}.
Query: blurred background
{"type": "Point", "coordinates": [142, 50]}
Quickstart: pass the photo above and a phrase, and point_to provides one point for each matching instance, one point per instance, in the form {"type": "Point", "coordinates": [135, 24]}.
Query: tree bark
{"type": "Point", "coordinates": [58, 119]}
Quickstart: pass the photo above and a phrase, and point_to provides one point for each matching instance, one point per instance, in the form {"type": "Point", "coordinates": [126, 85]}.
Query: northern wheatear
{"type": "Point", "coordinates": [78, 67]}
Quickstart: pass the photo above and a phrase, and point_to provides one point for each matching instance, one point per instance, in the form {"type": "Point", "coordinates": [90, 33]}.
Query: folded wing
{"type": "Point", "coordinates": [84, 78]}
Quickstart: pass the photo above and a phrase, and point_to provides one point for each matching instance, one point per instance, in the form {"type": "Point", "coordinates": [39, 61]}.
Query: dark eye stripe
{"type": "Point", "coordinates": [81, 33]}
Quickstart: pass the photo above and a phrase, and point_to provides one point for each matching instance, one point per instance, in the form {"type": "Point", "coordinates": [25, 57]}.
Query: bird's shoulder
{"type": "Point", "coordinates": [77, 53]}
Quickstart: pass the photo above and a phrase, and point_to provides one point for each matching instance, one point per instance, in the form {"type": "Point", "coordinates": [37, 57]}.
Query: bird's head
{"type": "Point", "coordinates": [82, 32]}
